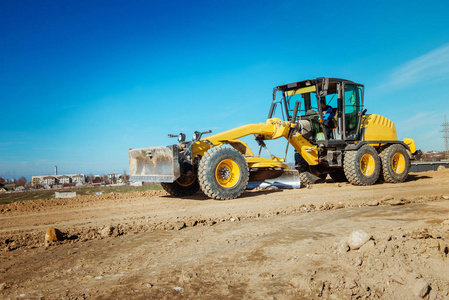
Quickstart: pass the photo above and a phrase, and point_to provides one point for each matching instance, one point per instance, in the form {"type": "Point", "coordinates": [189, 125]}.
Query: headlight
{"type": "Point", "coordinates": [196, 136]}
{"type": "Point", "coordinates": [181, 137]}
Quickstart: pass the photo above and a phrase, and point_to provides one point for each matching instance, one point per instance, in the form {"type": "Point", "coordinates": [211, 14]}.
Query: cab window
{"type": "Point", "coordinates": [353, 105]}
{"type": "Point", "coordinates": [308, 104]}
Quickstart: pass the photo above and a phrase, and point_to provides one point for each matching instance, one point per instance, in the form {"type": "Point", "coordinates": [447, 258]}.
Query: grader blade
{"type": "Point", "coordinates": [284, 179]}
{"type": "Point", "coordinates": [154, 164]}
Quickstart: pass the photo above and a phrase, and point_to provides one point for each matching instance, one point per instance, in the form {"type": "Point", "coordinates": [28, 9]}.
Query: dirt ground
{"type": "Point", "coordinates": [267, 244]}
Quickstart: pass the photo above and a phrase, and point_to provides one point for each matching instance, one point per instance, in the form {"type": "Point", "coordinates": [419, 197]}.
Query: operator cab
{"type": "Point", "coordinates": [344, 96]}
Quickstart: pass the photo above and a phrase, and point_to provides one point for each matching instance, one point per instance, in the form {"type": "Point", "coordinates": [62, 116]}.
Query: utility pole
{"type": "Point", "coordinates": [445, 132]}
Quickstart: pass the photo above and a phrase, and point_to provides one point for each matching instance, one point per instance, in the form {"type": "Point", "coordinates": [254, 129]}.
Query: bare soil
{"type": "Point", "coordinates": [267, 244]}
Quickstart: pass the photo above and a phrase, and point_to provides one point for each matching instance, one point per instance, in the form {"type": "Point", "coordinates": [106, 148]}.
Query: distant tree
{"type": "Point", "coordinates": [112, 178]}
{"type": "Point", "coordinates": [125, 176]}
{"type": "Point", "coordinates": [90, 178]}
{"type": "Point", "coordinates": [2, 180]}
{"type": "Point", "coordinates": [105, 178]}
{"type": "Point", "coordinates": [21, 181]}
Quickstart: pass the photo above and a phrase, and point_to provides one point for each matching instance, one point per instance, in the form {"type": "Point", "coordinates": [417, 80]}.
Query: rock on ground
{"type": "Point", "coordinates": [53, 235]}
{"type": "Point", "coordinates": [357, 239]}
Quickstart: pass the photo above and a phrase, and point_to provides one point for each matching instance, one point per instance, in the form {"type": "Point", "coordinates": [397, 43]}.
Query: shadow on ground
{"type": "Point", "coordinates": [199, 196]}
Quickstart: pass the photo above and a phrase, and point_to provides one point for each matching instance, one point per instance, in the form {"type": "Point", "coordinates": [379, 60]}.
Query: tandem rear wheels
{"type": "Point", "coordinates": [365, 166]}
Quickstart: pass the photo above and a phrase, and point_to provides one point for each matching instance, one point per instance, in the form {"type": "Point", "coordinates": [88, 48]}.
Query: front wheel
{"type": "Point", "coordinates": [223, 173]}
{"type": "Point", "coordinates": [395, 163]}
{"type": "Point", "coordinates": [362, 167]}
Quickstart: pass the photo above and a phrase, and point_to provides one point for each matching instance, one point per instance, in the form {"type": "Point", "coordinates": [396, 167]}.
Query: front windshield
{"type": "Point", "coordinates": [307, 104]}
{"type": "Point", "coordinates": [308, 101]}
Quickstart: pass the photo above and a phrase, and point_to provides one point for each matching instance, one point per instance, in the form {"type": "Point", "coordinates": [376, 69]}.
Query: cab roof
{"type": "Point", "coordinates": [309, 82]}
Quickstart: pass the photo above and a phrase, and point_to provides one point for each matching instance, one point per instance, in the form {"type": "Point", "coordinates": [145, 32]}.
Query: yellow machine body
{"type": "Point", "coordinates": [270, 130]}
{"type": "Point", "coordinates": [378, 128]}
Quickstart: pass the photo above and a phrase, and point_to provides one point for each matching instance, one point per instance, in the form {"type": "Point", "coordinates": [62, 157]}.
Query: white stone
{"type": "Point", "coordinates": [357, 239]}
{"type": "Point", "coordinates": [65, 194]}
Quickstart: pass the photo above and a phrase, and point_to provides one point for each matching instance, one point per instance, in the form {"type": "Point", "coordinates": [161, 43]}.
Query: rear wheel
{"type": "Point", "coordinates": [395, 163]}
{"type": "Point", "coordinates": [362, 167]}
{"type": "Point", "coordinates": [185, 185]}
{"type": "Point", "coordinates": [223, 173]}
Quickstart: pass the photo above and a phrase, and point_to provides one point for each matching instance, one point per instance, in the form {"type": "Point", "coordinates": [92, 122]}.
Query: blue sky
{"type": "Point", "coordinates": [81, 82]}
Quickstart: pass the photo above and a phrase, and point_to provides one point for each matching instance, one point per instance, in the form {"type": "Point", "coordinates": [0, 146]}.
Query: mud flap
{"type": "Point", "coordinates": [154, 164]}
{"type": "Point", "coordinates": [287, 179]}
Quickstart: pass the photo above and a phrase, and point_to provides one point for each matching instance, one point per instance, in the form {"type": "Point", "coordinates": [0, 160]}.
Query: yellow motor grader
{"type": "Point", "coordinates": [343, 142]}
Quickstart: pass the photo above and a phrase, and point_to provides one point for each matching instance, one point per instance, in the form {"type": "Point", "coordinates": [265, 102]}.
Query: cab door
{"type": "Point", "coordinates": [352, 110]}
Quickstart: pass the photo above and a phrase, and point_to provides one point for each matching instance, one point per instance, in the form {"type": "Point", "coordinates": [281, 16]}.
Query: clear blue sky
{"type": "Point", "coordinates": [81, 82]}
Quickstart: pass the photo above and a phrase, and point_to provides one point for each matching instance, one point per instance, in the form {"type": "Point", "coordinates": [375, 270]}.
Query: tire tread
{"type": "Point", "coordinates": [206, 184]}
{"type": "Point", "coordinates": [351, 166]}
{"type": "Point", "coordinates": [385, 157]}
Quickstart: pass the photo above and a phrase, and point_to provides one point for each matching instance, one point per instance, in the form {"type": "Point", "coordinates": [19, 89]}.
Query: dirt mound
{"type": "Point", "coordinates": [80, 200]}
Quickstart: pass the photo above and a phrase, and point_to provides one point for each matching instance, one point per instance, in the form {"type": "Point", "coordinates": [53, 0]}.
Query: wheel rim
{"type": "Point", "coordinates": [186, 180]}
{"type": "Point", "coordinates": [398, 163]}
{"type": "Point", "coordinates": [367, 164]}
{"type": "Point", "coordinates": [227, 173]}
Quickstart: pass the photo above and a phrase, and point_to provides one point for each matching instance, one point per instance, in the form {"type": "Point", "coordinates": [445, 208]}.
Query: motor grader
{"type": "Point", "coordinates": [352, 146]}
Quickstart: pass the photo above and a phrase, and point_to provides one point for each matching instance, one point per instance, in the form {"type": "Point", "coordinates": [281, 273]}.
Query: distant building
{"type": "Point", "coordinates": [36, 180]}
{"type": "Point", "coordinates": [78, 178]}
{"type": "Point", "coordinates": [64, 179]}
{"type": "Point", "coordinates": [57, 179]}
{"type": "Point", "coordinates": [97, 179]}
{"type": "Point", "coordinates": [49, 180]}
{"type": "Point", "coordinates": [115, 177]}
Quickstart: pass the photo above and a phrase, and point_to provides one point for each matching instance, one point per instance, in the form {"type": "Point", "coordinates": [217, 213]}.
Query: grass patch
{"type": "Point", "coordinates": [6, 198]}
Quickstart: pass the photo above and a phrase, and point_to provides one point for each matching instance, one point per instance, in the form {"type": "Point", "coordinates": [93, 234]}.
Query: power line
{"type": "Point", "coordinates": [445, 132]}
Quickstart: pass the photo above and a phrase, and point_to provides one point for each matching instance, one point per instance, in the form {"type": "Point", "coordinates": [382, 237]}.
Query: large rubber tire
{"type": "Point", "coordinates": [338, 176]}
{"type": "Point", "coordinates": [223, 173]}
{"type": "Point", "coordinates": [308, 178]}
{"type": "Point", "coordinates": [305, 176]}
{"type": "Point", "coordinates": [362, 167]}
{"type": "Point", "coordinates": [184, 186]}
{"type": "Point", "coordinates": [395, 163]}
